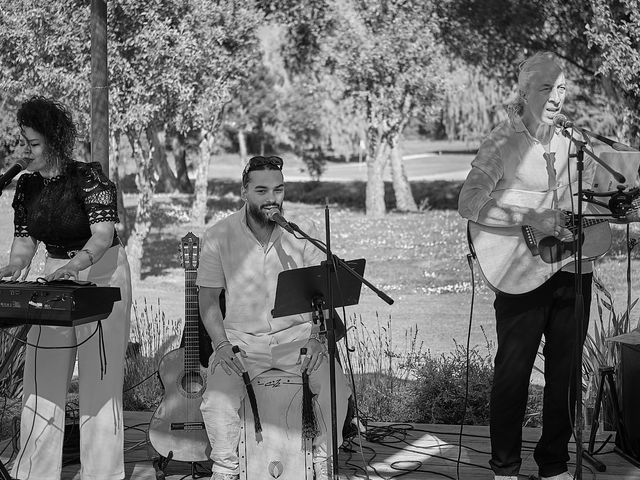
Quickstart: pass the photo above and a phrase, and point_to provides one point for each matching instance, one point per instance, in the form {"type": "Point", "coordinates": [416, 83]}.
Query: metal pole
{"type": "Point", "coordinates": [99, 87]}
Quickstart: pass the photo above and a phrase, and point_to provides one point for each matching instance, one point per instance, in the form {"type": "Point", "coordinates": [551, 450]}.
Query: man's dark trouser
{"type": "Point", "coordinates": [521, 321]}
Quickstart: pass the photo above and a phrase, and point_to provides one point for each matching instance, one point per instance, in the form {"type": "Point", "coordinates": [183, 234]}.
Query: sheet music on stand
{"type": "Point", "coordinates": [298, 288]}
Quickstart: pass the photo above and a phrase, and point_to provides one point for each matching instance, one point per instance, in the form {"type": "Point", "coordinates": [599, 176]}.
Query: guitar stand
{"type": "Point", "coordinates": [607, 375]}
{"type": "Point", "coordinates": [160, 463]}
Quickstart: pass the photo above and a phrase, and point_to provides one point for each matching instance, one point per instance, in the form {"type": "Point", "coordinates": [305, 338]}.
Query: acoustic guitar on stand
{"type": "Point", "coordinates": [176, 430]}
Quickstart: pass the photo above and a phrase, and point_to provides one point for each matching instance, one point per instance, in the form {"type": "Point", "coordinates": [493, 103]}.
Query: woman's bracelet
{"type": "Point", "coordinates": [89, 254]}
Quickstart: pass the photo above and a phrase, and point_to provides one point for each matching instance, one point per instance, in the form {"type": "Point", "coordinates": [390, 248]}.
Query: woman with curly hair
{"type": "Point", "coordinates": [69, 206]}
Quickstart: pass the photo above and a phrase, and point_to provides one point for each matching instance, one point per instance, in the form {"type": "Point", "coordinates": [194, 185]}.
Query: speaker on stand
{"type": "Point", "coordinates": [629, 445]}
{"type": "Point", "coordinates": [626, 413]}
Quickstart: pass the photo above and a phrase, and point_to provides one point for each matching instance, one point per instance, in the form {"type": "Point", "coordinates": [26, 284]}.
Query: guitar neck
{"type": "Point", "coordinates": [191, 317]}
{"type": "Point", "coordinates": [586, 222]}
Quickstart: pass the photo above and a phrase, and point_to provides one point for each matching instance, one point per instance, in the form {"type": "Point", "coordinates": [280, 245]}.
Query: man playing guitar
{"type": "Point", "coordinates": [523, 176]}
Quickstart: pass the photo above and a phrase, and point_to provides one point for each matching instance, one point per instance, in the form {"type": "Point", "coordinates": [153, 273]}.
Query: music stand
{"type": "Point", "coordinates": [303, 290]}
{"type": "Point", "coordinates": [298, 290]}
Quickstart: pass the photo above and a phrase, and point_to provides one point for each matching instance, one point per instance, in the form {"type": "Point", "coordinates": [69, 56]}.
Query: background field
{"type": "Point", "coordinates": [418, 259]}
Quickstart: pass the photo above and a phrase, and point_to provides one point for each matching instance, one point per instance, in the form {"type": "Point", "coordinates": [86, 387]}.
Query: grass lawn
{"type": "Point", "coordinates": [424, 160]}
{"type": "Point", "coordinates": [417, 259]}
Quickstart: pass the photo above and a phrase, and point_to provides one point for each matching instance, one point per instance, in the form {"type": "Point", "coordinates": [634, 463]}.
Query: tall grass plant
{"type": "Point", "coordinates": [152, 336]}
{"type": "Point", "coordinates": [382, 372]}
{"type": "Point", "coordinates": [600, 352]}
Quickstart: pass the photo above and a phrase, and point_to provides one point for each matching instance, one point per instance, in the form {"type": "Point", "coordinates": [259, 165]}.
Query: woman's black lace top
{"type": "Point", "coordinates": [59, 210]}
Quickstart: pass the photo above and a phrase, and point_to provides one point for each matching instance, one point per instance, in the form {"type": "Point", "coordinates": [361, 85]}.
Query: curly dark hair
{"type": "Point", "coordinates": [52, 120]}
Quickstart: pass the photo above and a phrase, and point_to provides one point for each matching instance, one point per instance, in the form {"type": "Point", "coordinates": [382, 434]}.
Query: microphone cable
{"type": "Point", "coordinates": [348, 350]}
{"type": "Point", "coordinates": [574, 368]}
{"type": "Point", "coordinates": [470, 257]}
{"type": "Point", "coordinates": [98, 330]}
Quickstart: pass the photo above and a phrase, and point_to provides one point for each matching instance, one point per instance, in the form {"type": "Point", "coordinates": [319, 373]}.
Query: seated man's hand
{"type": "Point", "coordinates": [227, 359]}
{"type": "Point", "coordinates": [311, 361]}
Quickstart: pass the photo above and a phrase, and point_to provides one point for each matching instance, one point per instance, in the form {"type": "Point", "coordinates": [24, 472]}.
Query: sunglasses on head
{"type": "Point", "coordinates": [262, 161]}
{"type": "Point", "coordinates": [255, 163]}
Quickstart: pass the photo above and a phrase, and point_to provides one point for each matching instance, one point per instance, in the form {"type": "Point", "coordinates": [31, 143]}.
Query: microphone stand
{"type": "Point", "coordinates": [579, 300]}
{"type": "Point", "coordinates": [579, 314]}
{"type": "Point", "coordinates": [332, 263]}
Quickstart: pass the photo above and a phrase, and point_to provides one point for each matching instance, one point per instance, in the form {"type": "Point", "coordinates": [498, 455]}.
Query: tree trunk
{"type": "Point", "coordinates": [84, 150]}
{"type": "Point", "coordinates": [199, 210]}
{"type": "Point", "coordinates": [180, 158]}
{"type": "Point", "coordinates": [242, 145]}
{"type": "Point", "coordinates": [167, 181]}
{"type": "Point", "coordinates": [142, 225]}
{"type": "Point", "coordinates": [114, 174]}
{"type": "Point", "coordinates": [375, 206]}
{"type": "Point", "coordinates": [401, 186]}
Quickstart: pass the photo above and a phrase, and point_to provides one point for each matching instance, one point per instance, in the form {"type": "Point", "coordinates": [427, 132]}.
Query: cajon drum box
{"type": "Point", "coordinates": [282, 453]}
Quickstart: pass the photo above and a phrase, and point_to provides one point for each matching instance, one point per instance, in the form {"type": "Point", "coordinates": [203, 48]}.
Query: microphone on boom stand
{"type": "Point", "coordinates": [19, 165]}
{"type": "Point", "coordinates": [275, 216]}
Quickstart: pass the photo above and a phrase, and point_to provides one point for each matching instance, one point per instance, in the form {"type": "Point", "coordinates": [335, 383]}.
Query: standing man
{"type": "Point", "coordinates": [522, 175]}
{"type": "Point", "coordinates": [243, 255]}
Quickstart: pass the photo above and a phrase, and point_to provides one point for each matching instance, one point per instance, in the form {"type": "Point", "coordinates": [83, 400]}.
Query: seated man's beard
{"type": "Point", "coordinates": [260, 216]}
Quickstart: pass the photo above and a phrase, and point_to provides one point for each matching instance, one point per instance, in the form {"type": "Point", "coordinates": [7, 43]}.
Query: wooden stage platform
{"type": "Point", "coordinates": [405, 451]}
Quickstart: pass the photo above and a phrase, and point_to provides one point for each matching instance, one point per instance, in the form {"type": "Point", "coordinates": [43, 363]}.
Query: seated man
{"type": "Point", "coordinates": [243, 254]}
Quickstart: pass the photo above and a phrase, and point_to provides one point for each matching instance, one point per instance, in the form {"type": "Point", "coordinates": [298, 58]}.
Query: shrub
{"type": "Point", "coordinates": [439, 194]}
{"type": "Point", "coordinates": [409, 385]}
{"type": "Point", "coordinates": [381, 371]}
{"type": "Point", "coordinates": [438, 394]}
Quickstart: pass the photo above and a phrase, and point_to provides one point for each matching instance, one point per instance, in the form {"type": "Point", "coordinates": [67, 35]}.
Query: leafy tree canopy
{"type": "Point", "coordinates": [169, 60]}
{"type": "Point", "coordinates": [598, 39]}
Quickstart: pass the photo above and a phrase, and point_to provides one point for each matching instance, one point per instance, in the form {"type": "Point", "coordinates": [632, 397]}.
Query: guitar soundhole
{"type": "Point", "coordinates": [192, 384]}
{"type": "Point", "coordinates": [553, 250]}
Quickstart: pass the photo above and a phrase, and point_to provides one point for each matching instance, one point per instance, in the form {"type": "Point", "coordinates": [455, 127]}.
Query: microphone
{"type": "Point", "coordinates": [12, 171]}
{"type": "Point", "coordinates": [560, 120]}
{"type": "Point", "coordinates": [275, 216]}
